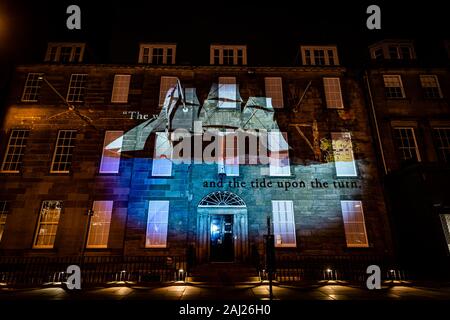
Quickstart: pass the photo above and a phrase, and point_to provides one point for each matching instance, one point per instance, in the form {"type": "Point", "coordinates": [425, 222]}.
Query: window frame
{"type": "Point", "coordinates": [164, 222]}
{"type": "Point", "coordinates": [274, 90]}
{"type": "Point", "coordinates": [39, 223]}
{"type": "Point", "coordinates": [424, 88]}
{"type": "Point", "coordinates": [416, 148]}
{"type": "Point", "coordinates": [236, 49]}
{"type": "Point", "coordinates": [402, 88]}
{"type": "Point", "coordinates": [362, 222]}
{"type": "Point", "coordinates": [312, 56]}
{"type": "Point", "coordinates": [340, 169]}
{"type": "Point", "coordinates": [72, 90]}
{"type": "Point", "coordinates": [121, 88]}
{"type": "Point", "coordinates": [117, 162]}
{"type": "Point", "coordinates": [71, 147]}
{"type": "Point", "coordinates": [108, 207]}
{"type": "Point", "coordinates": [36, 88]}
{"type": "Point", "coordinates": [4, 211]}
{"type": "Point", "coordinates": [57, 47]}
{"type": "Point", "coordinates": [22, 148]}
{"type": "Point", "coordinates": [286, 222]}
{"type": "Point", "coordinates": [150, 56]}
{"type": "Point", "coordinates": [327, 87]}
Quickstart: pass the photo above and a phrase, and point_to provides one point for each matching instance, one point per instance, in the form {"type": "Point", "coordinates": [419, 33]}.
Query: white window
{"type": "Point", "coordinates": [228, 158]}
{"type": "Point", "coordinates": [77, 88]}
{"type": "Point", "coordinates": [157, 221]}
{"type": "Point", "coordinates": [112, 148]}
{"type": "Point", "coordinates": [430, 86]}
{"type": "Point", "coordinates": [283, 224]}
{"type": "Point", "coordinates": [228, 55]}
{"type": "Point", "coordinates": [343, 154]}
{"type": "Point", "coordinates": [62, 157]}
{"type": "Point", "coordinates": [166, 84]}
{"type": "Point", "coordinates": [393, 86]}
{"type": "Point", "coordinates": [442, 139]}
{"type": "Point", "coordinates": [157, 53]}
{"type": "Point", "coordinates": [319, 56]}
{"type": "Point", "coordinates": [47, 224]}
{"type": "Point", "coordinates": [274, 90]}
{"type": "Point", "coordinates": [354, 225]}
{"type": "Point", "coordinates": [121, 88]}
{"type": "Point", "coordinates": [278, 154]}
{"type": "Point", "coordinates": [406, 144]}
{"type": "Point", "coordinates": [65, 52]}
{"type": "Point", "coordinates": [14, 152]}
{"type": "Point", "coordinates": [32, 87]}
{"type": "Point", "coordinates": [100, 224]}
{"type": "Point", "coordinates": [333, 93]}
{"type": "Point", "coordinates": [445, 220]}
{"type": "Point", "coordinates": [162, 156]}
{"type": "Point", "coordinates": [227, 93]}
{"type": "Point", "coordinates": [3, 216]}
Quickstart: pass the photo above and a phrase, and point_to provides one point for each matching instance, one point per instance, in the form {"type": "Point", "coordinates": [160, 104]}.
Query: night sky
{"type": "Point", "coordinates": [272, 29]}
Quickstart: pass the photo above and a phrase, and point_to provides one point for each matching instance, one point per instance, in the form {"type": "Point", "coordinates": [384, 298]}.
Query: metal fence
{"type": "Point", "coordinates": [17, 271]}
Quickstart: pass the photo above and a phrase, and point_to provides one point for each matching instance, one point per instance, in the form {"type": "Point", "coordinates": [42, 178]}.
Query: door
{"type": "Point", "coordinates": [221, 246]}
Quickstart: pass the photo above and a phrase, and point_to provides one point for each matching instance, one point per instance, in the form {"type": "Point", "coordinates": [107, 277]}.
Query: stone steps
{"type": "Point", "coordinates": [223, 273]}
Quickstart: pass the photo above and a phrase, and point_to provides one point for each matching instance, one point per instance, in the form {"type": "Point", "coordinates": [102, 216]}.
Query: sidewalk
{"type": "Point", "coordinates": [241, 292]}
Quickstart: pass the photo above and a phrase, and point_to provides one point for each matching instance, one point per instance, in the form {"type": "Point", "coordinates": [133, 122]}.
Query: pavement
{"type": "Point", "coordinates": [180, 291]}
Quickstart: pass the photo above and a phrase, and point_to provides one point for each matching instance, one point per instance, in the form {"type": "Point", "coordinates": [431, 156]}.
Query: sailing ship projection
{"type": "Point", "coordinates": [220, 115]}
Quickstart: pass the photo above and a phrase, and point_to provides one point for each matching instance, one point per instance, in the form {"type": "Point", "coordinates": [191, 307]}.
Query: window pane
{"type": "Point", "coordinates": [77, 88]}
{"type": "Point", "coordinates": [333, 93]}
{"type": "Point", "coordinates": [354, 225]}
{"type": "Point", "coordinates": [157, 222]}
{"type": "Point", "coordinates": [121, 88]}
{"type": "Point", "coordinates": [15, 150]}
{"type": "Point", "coordinates": [47, 224]}
{"type": "Point", "coordinates": [274, 90]}
{"type": "Point", "coordinates": [100, 224]}
{"type": "Point", "coordinates": [343, 154]}
{"type": "Point", "coordinates": [62, 157]}
{"type": "Point", "coordinates": [112, 148]}
{"type": "Point", "coordinates": [283, 223]}
{"type": "Point", "coordinates": [32, 87]}
{"type": "Point", "coordinates": [406, 144]}
{"type": "Point", "coordinates": [393, 86]}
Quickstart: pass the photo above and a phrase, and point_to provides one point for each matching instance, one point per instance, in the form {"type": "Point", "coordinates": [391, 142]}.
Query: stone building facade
{"type": "Point", "coordinates": [69, 189]}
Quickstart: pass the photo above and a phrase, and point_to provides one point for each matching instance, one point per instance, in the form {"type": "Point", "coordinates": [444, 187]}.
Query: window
{"type": "Point", "coordinates": [166, 84]}
{"type": "Point", "coordinates": [157, 221]}
{"type": "Point", "coordinates": [100, 224]}
{"type": "Point", "coordinates": [228, 55]}
{"type": "Point", "coordinates": [162, 163]}
{"type": "Point", "coordinates": [393, 52]}
{"type": "Point", "coordinates": [378, 54]}
{"type": "Point", "coordinates": [121, 88]}
{"type": "Point", "coordinates": [354, 225]}
{"type": "Point", "coordinates": [430, 86]}
{"type": "Point", "coordinates": [274, 90]}
{"type": "Point", "coordinates": [47, 224]}
{"type": "Point", "coordinates": [393, 86]}
{"type": "Point", "coordinates": [3, 215]}
{"type": "Point", "coordinates": [283, 224]}
{"type": "Point", "coordinates": [227, 93]}
{"type": "Point", "coordinates": [228, 159]}
{"type": "Point", "coordinates": [278, 154]}
{"type": "Point", "coordinates": [77, 88]}
{"type": "Point", "coordinates": [32, 87]}
{"type": "Point", "coordinates": [406, 53]}
{"type": "Point", "coordinates": [445, 220]}
{"type": "Point", "coordinates": [15, 151]}
{"type": "Point", "coordinates": [157, 54]}
{"type": "Point", "coordinates": [442, 140]}
{"type": "Point", "coordinates": [319, 56]}
{"type": "Point", "coordinates": [112, 148]}
{"type": "Point", "coordinates": [333, 94]}
{"type": "Point", "coordinates": [343, 154]}
{"type": "Point", "coordinates": [65, 52]}
{"type": "Point", "coordinates": [62, 157]}
{"type": "Point", "coordinates": [406, 144]}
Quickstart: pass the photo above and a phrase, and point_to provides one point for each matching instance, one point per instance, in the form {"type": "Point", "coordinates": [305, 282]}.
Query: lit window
{"type": "Point", "coordinates": [3, 215]}
{"type": "Point", "coordinates": [47, 224]}
{"type": "Point", "coordinates": [228, 158]}
{"type": "Point", "coordinates": [406, 144]}
{"type": "Point", "coordinates": [32, 87]}
{"type": "Point", "coordinates": [121, 88]}
{"type": "Point", "coordinates": [62, 157]}
{"type": "Point", "coordinates": [393, 86]}
{"type": "Point", "coordinates": [333, 94]}
{"type": "Point", "coordinates": [228, 93]}
{"type": "Point", "coordinates": [65, 52]}
{"type": "Point", "coordinates": [77, 88]}
{"type": "Point", "coordinates": [274, 90]}
{"type": "Point", "coordinates": [283, 224]}
{"type": "Point", "coordinates": [112, 148]}
{"type": "Point", "coordinates": [442, 139]}
{"type": "Point", "coordinates": [162, 156]}
{"type": "Point", "coordinates": [354, 225]}
{"type": "Point", "coordinates": [158, 54]}
{"type": "Point", "coordinates": [157, 221]}
{"type": "Point", "coordinates": [430, 86]}
{"type": "Point", "coordinates": [278, 154]}
{"type": "Point", "coordinates": [14, 152]}
{"type": "Point", "coordinates": [228, 55]}
{"type": "Point", "coordinates": [166, 84]}
{"type": "Point", "coordinates": [445, 220]}
{"type": "Point", "coordinates": [100, 224]}
{"type": "Point", "coordinates": [319, 55]}
{"type": "Point", "coordinates": [343, 154]}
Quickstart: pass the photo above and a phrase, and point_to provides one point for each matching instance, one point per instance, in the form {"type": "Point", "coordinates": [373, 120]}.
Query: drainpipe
{"type": "Point", "coordinates": [366, 78]}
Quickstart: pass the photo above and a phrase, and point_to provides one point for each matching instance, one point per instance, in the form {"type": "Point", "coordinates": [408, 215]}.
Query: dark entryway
{"type": "Point", "coordinates": [222, 248]}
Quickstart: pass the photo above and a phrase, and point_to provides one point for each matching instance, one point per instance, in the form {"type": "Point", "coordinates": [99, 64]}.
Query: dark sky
{"type": "Point", "coordinates": [272, 29]}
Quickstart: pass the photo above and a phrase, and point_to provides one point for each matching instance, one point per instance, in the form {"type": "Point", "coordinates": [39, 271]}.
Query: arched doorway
{"type": "Point", "coordinates": [222, 228]}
